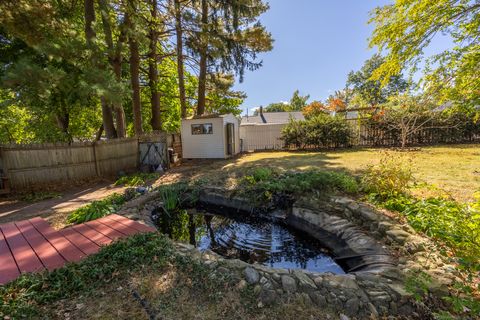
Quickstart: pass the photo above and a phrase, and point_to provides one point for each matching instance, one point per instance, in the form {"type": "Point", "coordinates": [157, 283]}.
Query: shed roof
{"type": "Point", "coordinates": [273, 117]}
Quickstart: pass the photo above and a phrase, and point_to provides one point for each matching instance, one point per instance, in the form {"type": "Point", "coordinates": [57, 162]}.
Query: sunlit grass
{"type": "Point", "coordinates": [439, 170]}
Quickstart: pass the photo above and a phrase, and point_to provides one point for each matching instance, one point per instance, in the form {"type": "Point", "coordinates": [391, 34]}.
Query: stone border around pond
{"type": "Point", "coordinates": [369, 292]}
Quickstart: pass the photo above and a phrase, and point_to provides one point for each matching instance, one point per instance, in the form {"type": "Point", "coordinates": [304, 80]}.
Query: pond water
{"type": "Point", "coordinates": [250, 240]}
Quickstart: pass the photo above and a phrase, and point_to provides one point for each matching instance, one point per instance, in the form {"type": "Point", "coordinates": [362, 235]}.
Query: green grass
{"type": "Point", "coordinates": [136, 179]}
{"type": "Point", "coordinates": [39, 196]}
{"type": "Point", "coordinates": [452, 170]}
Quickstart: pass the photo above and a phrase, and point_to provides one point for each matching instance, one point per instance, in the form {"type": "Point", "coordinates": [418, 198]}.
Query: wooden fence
{"type": "Point", "coordinates": [37, 164]}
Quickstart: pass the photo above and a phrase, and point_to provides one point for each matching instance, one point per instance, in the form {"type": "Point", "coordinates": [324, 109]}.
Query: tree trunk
{"type": "Point", "coordinates": [135, 81]}
{"type": "Point", "coordinates": [89, 20]}
{"type": "Point", "coordinates": [115, 60]}
{"type": "Point", "coordinates": [156, 121]}
{"type": "Point", "coordinates": [181, 76]}
{"type": "Point", "coordinates": [202, 78]}
{"type": "Point", "coordinates": [107, 115]}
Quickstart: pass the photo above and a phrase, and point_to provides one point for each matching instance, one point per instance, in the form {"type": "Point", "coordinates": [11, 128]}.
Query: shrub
{"type": "Point", "coordinates": [321, 131]}
{"type": "Point", "coordinates": [97, 209]}
{"type": "Point", "coordinates": [392, 175]}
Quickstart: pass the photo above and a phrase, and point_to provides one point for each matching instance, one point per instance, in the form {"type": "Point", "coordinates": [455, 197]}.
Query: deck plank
{"type": "Point", "coordinates": [124, 229]}
{"type": "Point", "coordinates": [27, 260]}
{"type": "Point", "coordinates": [8, 268]}
{"type": "Point", "coordinates": [66, 249]}
{"type": "Point", "coordinates": [132, 224]}
{"type": "Point", "coordinates": [48, 255]}
{"type": "Point", "coordinates": [80, 241]}
{"type": "Point", "coordinates": [92, 235]}
{"type": "Point", "coordinates": [105, 230]}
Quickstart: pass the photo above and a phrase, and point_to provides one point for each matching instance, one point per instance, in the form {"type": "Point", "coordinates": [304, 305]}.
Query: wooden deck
{"type": "Point", "coordinates": [33, 245]}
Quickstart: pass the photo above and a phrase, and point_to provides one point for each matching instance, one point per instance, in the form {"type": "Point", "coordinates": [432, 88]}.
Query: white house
{"type": "Point", "coordinates": [264, 131]}
{"type": "Point", "coordinates": [210, 137]}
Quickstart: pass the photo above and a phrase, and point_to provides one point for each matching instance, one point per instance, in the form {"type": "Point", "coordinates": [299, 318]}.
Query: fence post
{"type": "Point", "coordinates": [97, 167]}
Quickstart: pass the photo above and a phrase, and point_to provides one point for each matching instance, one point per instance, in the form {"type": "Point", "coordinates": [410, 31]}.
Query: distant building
{"type": "Point", "coordinates": [264, 131]}
{"type": "Point", "coordinates": [272, 117]}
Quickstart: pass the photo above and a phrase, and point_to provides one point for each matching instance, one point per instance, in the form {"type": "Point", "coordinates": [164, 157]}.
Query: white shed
{"type": "Point", "coordinates": [210, 137]}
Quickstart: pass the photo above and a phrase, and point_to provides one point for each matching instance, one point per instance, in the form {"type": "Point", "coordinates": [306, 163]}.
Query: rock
{"type": "Point", "coordinates": [257, 289]}
{"type": "Point", "coordinates": [397, 235]}
{"type": "Point", "coordinates": [341, 281]}
{"type": "Point", "coordinates": [268, 297]}
{"type": "Point", "coordinates": [351, 306]}
{"type": "Point", "coordinates": [251, 275]}
{"type": "Point", "coordinates": [373, 311]}
{"type": "Point", "coordinates": [289, 284]}
{"type": "Point", "coordinates": [305, 298]}
{"type": "Point", "coordinates": [367, 213]}
{"type": "Point", "coordinates": [384, 226]}
{"type": "Point", "coordinates": [304, 280]}
{"type": "Point", "coordinates": [242, 285]}
{"type": "Point", "coordinates": [318, 298]}
{"type": "Point", "coordinates": [343, 317]}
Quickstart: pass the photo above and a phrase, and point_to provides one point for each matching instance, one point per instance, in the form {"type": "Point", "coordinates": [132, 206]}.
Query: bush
{"type": "Point", "coordinates": [391, 176]}
{"type": "Point", "coordinates": [97, 209]}
{"type": "Point", "coordinates": [321, 131]}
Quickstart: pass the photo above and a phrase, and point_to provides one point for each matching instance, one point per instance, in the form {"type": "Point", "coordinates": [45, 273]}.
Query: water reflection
{"type": "Point", "coordinates": [249, 240]}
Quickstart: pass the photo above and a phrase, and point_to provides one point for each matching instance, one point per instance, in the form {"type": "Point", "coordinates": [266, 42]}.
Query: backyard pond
{"type": "Point", "coordinates": [251, 240]}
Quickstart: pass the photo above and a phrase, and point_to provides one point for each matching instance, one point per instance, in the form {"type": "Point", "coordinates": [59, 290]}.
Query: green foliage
{"type": "Point", "coordinates": [393, 175]}
{"type": "Point", "coordinates": [23, 297]}
{"type": "Point", "coordinates": [39, 196]}
{"type": "Point", "coordinates": [296, 103]}
{"type": "Point", "coordinates": [417, 283]}
{"type": "Point", "coordinates": [455, 224]}
{"type": "Point", "coordinates": [136, 179]}
{"type": "Point", "coordinates": [321, 131]}
{"type": "Point", "coordinates": [97, 209]}
{"type": "Point", "coordinates": [405, 28]}
{"type": "Point", "coordinates": [371, 92]}
{"type": "Point", "coordinates": [263, 183]}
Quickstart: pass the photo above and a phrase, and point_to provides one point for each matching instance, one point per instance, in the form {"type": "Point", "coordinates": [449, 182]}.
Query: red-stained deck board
{"type": "Point", "coordinates": [27, 260]}
{"type": "Point", "coordinates": [48, 255]}
{"type": "Point", "coordinates": [132, 224]}
{"type": "Point", "coordinates": [92, 235]}
{"type": "Point", "coordinates": [66, 249]}
{"type": "Point", "coordinates": [80, 241]}
{"type": "Point", "coordinates": [126, 230]}
{"type": "Point", "coordinates": [33, 245]}
{"type": "Point", "coordinates": [8, 268]}
{"type": "Point", "coordinates": [104, 229]}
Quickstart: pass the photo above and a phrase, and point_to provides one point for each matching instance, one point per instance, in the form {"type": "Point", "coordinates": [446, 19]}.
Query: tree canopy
{"type": "Point", "coordinates": [405, 28]}
{"type": "Point", "coordinates": [77, 70]}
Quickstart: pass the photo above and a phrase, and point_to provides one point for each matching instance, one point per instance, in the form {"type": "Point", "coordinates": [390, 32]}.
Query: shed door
{"type": "Point", "coordinates": [230, 138]}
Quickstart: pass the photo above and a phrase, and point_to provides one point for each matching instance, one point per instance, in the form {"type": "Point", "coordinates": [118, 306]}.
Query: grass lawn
{"type": "Point", "coordinates": [454, 169]}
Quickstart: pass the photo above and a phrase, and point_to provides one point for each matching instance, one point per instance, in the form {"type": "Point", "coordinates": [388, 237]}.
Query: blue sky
{"type": "Point", "coordinates": [317, 42]}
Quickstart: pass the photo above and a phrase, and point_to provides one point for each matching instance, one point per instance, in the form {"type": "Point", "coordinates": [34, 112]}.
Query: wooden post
{"type": "Point", "coordinates": [97, 167]}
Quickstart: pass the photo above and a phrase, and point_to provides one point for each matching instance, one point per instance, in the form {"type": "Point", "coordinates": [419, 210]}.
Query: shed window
{"type": "Point", "coordinates": [204, 128]}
